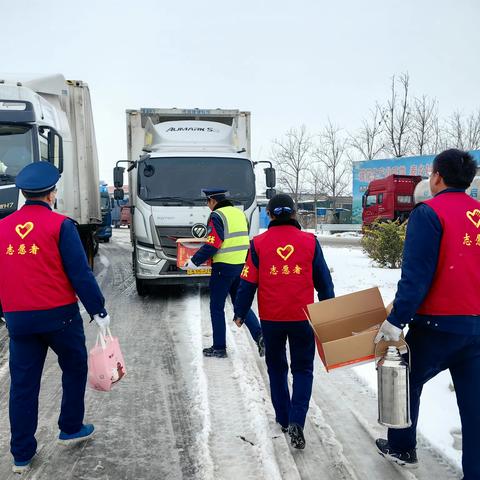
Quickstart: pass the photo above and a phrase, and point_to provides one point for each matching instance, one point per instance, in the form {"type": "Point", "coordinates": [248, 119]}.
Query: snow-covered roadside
{"type": "Point", "coordinates": [353, 271]}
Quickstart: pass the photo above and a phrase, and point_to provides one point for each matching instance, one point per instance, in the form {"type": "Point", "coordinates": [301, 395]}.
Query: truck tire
{"type": "Point", "coordinates": [142, 289]}
{"type": "Point", "coordinates": [106, 240]}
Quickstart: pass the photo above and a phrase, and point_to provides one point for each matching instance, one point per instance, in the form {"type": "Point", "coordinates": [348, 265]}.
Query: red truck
{"type": "Point", "coordinates": [389, 198]}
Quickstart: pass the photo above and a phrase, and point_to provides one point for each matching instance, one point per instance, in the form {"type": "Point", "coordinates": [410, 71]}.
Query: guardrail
{"type": "Point", "coordinates": [339, 227]}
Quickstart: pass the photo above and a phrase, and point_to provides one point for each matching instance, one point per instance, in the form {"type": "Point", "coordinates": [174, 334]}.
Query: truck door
{"type": "Point", "coordinates": [370, 208]}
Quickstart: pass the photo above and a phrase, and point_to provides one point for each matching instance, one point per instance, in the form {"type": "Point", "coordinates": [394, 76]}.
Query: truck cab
{"type": "Point", "coordinates": [389, 198]}
{"type": "Point", "coordinates": [173, 154]}
{"type": "Point", "coordinates": [104, 231]}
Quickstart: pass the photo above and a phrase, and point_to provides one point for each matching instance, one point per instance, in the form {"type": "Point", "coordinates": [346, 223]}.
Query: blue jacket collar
{"type": "Point", "coordinates": [451, 190]}
{"type": "Point", "coordinates": [38, 202]}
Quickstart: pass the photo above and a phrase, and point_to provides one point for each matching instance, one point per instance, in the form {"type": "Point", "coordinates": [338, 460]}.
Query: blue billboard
{"type": "Point", "coordinates": [367, 170]}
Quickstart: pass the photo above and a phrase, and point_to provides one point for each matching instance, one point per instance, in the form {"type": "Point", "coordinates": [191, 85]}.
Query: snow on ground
{"type": "Point", "coordinates": [353, 271]}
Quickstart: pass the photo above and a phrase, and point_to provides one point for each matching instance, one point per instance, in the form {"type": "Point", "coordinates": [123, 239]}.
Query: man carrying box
{"type": "Point", "coordinates": [227, 246]}
{"type": "Point", "coordinates": [286, 265]}
{"type": "Point", "coordinates": [438, 297]}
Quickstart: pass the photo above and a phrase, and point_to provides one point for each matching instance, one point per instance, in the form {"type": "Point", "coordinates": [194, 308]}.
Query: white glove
{"type": "Point", "coordinates": [388, 332]}
{"type": "Point", "coordinates": [102, 322]}
{"type": "Point", "coordinates": [190, 265]}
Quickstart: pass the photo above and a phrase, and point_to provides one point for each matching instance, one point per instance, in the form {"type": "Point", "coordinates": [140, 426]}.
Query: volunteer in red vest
{"type": "Point", "coordinates": [438, 298]}
{"type": "Point", "coordinates": [286, 265]}
{"type": "Point", "coordinates": [44, 268]}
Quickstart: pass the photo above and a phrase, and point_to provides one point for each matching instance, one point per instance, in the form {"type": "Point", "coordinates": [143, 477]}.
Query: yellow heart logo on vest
{"type": "Point", "coordinates": [24, 230]}
{"type": "Point", "coordinates": [474, 217]}
{"type": "Point", "coordinates": [285, 252]}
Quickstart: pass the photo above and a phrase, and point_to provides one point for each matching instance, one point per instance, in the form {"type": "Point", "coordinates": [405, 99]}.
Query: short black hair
{"type": "Point", "coordinates": [29, 195]}
{"type": "Point", "coordinates": [456, 167]}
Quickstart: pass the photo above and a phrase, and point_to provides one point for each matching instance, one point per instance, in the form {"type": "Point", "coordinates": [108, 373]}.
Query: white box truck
{"type": "Point", "coordinates": [173, 154]}
{"type": "Point", "coordinates": [50, 119]}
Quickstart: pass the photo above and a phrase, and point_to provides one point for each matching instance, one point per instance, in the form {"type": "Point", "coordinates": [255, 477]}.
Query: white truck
{"type": "Point", "coordinates": [50, 119]}
{"type": "Point", "coordinates": [172, 155]}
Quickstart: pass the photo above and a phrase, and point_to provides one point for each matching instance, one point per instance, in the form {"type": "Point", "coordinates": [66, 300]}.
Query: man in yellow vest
{"type": "Point", "coordinates": [227, 245]}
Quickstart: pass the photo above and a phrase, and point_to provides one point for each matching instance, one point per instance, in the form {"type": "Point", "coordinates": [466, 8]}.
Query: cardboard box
{"type": "Point", "coordinates": [346, 326]}
{"type": "Point", "coordinates": [186, 249]}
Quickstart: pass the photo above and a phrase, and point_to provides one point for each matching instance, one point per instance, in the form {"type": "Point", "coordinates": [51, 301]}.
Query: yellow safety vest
{"type": "Point", "coordinates": [236, 241]}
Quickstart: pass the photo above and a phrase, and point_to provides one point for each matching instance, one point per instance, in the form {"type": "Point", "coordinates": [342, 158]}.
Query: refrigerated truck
{"type": "Point", "coordinates": [48, 118]}
{"type": "Point", "coordinates": [173, 154]}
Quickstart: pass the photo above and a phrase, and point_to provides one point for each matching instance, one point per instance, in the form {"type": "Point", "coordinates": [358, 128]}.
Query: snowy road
{"type": "Point", "coordinates": [178, 415]}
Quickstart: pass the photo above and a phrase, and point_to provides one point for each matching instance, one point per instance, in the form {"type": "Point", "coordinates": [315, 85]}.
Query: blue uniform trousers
{"type": "Point", "coordinates": [302, 352]}
{"type": "Point", "coordinates": [27, 357]}
{"type": "Point", "coordinates": [220, 286]}
{"type": "Point", "coordinates": [432, 352]}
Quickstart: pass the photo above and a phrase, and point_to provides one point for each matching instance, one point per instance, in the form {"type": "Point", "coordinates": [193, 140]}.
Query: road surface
{"type": "Point", "coordinates": [177, 415]}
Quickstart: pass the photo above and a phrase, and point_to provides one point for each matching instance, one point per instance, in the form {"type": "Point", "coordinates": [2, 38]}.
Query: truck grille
{"type": "Point", "coordinates": [168, 238]}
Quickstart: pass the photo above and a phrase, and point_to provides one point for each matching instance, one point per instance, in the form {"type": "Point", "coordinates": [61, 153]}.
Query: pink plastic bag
{"type": "Point", "coordinates": [105, 363]}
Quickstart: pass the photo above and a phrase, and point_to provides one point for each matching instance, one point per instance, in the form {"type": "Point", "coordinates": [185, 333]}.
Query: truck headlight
{"type": "Point", "coordinates": [147, 256]}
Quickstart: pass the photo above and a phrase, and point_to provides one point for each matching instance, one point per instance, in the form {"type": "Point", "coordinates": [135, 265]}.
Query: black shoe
{"type": "Point", "coordinates": [213, 352]}
{"type": "Point", "coordinates": [261, 346]}
{"type": "Point", "coordinates": [407, 459]}
{"type": "Point", "coordinates": [296, 436]}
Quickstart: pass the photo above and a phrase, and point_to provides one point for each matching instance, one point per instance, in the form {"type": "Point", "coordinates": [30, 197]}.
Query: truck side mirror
{"type": "Point", "coordinates": [118, 193]}
{"type": "Point", "coordinates": [270, 193]}
{"type": "Point", "coordinates": [55, 149]}
{"type": "Point", "coordinates": [270, 177]}
{"type": "Point", "coordinates": [118, 179]}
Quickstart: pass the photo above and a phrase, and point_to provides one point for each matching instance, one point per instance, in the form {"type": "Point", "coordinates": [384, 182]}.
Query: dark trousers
{"type": "Point", "coordinates": [432, 352]}
{"type": "Point", "coordinates": [302, 352]}
{"type": "Point", "coordinates": [220, 287]}
{"type": "Point", "coordinates": [27, 357]}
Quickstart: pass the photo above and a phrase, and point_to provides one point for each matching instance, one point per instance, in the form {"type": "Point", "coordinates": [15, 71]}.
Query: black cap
{"type": "Point", "coordinates": [216, 193]}
{"type": "Point", "coordinates": [281, 205]}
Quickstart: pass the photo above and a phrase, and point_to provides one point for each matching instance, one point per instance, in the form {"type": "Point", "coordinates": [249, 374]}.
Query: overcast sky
{"type": "Point", "coordinates": [289, 63]}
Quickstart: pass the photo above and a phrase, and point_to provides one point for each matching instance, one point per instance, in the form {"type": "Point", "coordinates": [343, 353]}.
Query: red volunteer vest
{"type": "Point", "coordinates": [454, 289]}
{"type": "Point", "coordinates": [285, 282]}
{"type": "Point", "coordinates": [32, 275]}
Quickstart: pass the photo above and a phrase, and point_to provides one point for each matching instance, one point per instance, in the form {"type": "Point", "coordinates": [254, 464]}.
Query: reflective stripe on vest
{"type": "Point", "coordinates": [236, 241]}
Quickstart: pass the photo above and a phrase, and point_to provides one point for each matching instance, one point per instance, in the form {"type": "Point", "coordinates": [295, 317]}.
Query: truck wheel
{"type": "Point", "coordinates": [106, 240]}
{"type": "Point", "coordinates": [142, 289]}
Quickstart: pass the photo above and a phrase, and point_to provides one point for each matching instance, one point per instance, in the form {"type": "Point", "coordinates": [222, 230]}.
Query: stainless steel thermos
{"type": "Point", "coordinates": [393, 390]}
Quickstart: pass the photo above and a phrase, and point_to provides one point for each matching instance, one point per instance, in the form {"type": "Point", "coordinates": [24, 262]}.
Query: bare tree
{"type": "Point", "coordinates": [439, 138]}
{"type": "Point", "coordinates": [396, 117]}
{"type": "Point", "coordinates": [315, 177]}
{"type": "Point", "coordinates": [332, 158]}
{"type": "Point", "coordinates": [464, 132]}
{"type": "Point", "coordinates": [367, 141]}
{"type": "Point", "coordinates": [424, 122]}
{"type": "Point", "coordinates": [292, 156]}
{"type": "Point", "coordinates": [473, 131]}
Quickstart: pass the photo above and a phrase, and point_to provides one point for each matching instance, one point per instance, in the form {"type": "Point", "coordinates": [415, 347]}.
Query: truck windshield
{"type": "Point", "coordinates": [16, 150]}
{"type": "Point", "coordinates": [179, 180]}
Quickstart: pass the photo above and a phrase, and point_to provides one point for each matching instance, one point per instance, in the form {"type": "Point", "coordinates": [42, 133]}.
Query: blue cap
{"type": "Point", "coordinates": [37, 177]}
{"type": "Point", "coordinates": [216, 193]}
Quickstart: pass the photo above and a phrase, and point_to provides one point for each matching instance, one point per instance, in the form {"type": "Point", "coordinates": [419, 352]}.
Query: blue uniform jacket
{"type": "Point", "coordinates": [420, 257]}
{"type": "Point", "coordinates": [322, 280]}
{"type": "Point", "coordinates": [208, 251]}
{"type": "Point", "coordinates": [81, 277]}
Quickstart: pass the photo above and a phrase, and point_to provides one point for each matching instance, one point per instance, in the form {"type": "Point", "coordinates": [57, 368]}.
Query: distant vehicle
{"type": "Point", "coordinates": [126, 216]}
{"type": "Point", "coordinates": [50, 119]}
{"type": "Point", "coordinates": [422, 190]}
{"type": "Point", "coordinates": [389, 198]}
{"type": "Point", "coordinates": [120, 217]}
{"type": "Point", "coordinates": [173, 154]}
{"type": "Point", "coordinates": [104, 232]}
